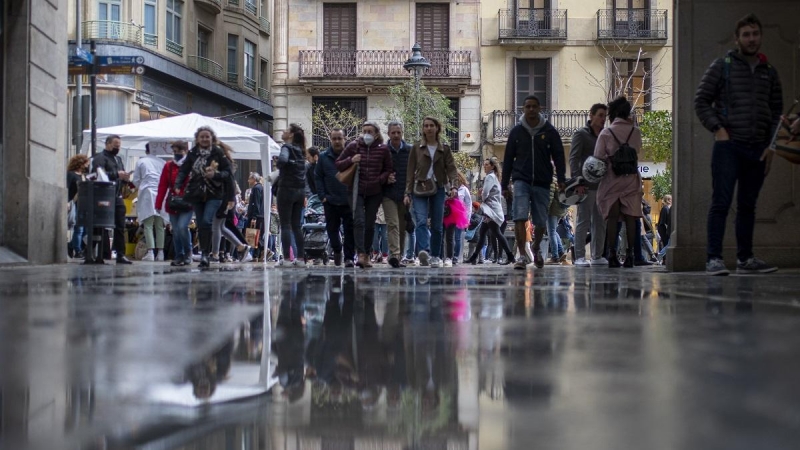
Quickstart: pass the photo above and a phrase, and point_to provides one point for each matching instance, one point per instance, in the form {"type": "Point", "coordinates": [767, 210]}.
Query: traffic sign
{"type": "Point", "coordinates": [112, 70]}
{"type": "Point", "coordinates": [83, 55]}
{"type": "Point", "coordinates": [78, 61]}
{"type": "Point", "coordinates": [120, 60]}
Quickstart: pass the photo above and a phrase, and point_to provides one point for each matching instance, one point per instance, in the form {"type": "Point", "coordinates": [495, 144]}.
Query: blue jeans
{"type": "Point", "coordinates": [556, 246]}
{"type": "Point", "coordinates": [433, 207]}
{"type": "Point", "coordinates": [380, 242]}
{"type": "Point", "coordinates": [181, 237]}
{"type": "Point", "coordinates": [733, 162]}
{"type": "Point", "coordinates": [411, 244]}
{"type": "Point", "coordinates": [205, 212]}
{"type": "Point", "coordinates": [530, 201]}
{"type": "Point", "coordinates": [77, 239]}
{"type": "Point", "coordinates": [459, 236]}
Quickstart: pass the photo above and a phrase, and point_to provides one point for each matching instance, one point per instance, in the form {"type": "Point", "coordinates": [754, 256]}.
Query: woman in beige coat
{"type": "Point", "coordinates": [619, 197]}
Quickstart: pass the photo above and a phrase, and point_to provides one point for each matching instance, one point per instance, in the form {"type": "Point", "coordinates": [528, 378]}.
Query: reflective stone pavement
{"type": "Point", "coordinates": [484, 357]}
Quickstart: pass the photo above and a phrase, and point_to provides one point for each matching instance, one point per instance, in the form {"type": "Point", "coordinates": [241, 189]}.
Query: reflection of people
{"type": "Point", "coordinates": [289, 346]}
{"type": "Point", "coordinates": [331, 356]}
{"type": "Point", "coordinates": [207, 374]}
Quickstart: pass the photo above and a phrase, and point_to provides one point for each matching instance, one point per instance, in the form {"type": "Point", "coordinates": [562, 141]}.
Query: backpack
{"type": "Point", "coordinates": [624, 161]}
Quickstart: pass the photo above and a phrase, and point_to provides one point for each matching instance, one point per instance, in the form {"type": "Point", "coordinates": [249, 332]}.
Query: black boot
{"type": "Point", "coordinates": [613, 261]}
{"type": "Point", "coordinates": [629, 260]}
{"type": "Point", "coordinates": [204, 238]}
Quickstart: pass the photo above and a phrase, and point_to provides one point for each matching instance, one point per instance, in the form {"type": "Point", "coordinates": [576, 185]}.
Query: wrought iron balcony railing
{"type": "Point", "coordinates": [233, 77]}
{"type": "Point", "coordinates": [533, 23]}
{"type": "Point", "coordinates": [263, 24]}
{"type": "Point", "coordinates": [632, 24]}
{"type": "Point", "coordinates": [151, 39]}
{"type": "Point", "coordinates": [250, 83]}
{"type": "Point", "coordinates": [263, 93]}
{"type": "Point", "coordinates": [112, 31]}
{"type": "Point", "coordinates": [567, 122]}
{"type": "Point", "coordinates": [205, 66]}
{"type": "Point", "coordinates": [381, 63]}
{"type": "Point", "coordinates": [174, 47]}
{"type": "Point", "coordinates": [251, 7]}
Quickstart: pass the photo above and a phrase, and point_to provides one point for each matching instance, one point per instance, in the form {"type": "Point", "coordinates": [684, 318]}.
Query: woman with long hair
{"type": "Point", "coordinates": [431, 176]}
{"type": "Point", "coordinates": [619, 197]}
{"type": "Point", "coordinates": [77, 168]}
{"type": "Point", "coordinates": [291, 192]}
{"type": "Point", "coordinates": [208, 170]}
{"type": "Point", "coordinates": [179, 220]}
{"type": "Point", "coordinates": [224, 213]}
{"type": "Point", "coordinates": [492, 211]}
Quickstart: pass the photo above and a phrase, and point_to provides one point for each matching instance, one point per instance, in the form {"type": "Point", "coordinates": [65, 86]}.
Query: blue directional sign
{"type": "Point", "coordinates": [83, 55]}
{"type": "Point", "coordinates": [120, 60]}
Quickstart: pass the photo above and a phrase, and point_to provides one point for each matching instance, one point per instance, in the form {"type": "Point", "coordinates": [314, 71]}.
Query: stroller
{"type": "Point", "coordinates": [315, 234]}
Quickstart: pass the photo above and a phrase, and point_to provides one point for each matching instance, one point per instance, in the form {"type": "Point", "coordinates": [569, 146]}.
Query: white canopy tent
{"type": "Point", "coordinates": [247, 143]}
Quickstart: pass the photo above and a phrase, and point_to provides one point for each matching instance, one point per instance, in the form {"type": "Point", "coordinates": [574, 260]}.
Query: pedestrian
{"type": "Point", "coordinates": [588, 218]}
{"type": "Point", "coordinates": [456, 222]}
{"type": "Point", "coordinates": [274, 234]}
{"type": "Point", "coordinates": [110, 161]}
{"type": "Point", "coordinates": [291, 193]}
{"type": "Point", "coordinates": [312, 156]}
{"type": "Point", "coordinates": [555, 212]}
{"type": "Point", "coordinates": [208, 170]}
{"type": "Point", "coordinates": [178, 219]}
{"type": "Point", "coordinates": [534, 148]}
{"type": "Point", "coordinates": [255, 211]}
{"type": "Point", "coordinates": [394, 209]}
{"type": "Point", "coordinates": [333, 195]}
{"type": "Point", "coordinates": [374, 170]}
{"type": "Point", "coordinates": [664, 226]}
{"type": "Point", "coordinates": [380, 246]}
{"type": "Point", "coordinates": [473, 230]}
{"type": "Point", "coordinates": [619, 196]}
{"type": "Point", "coordinates": [739, 100]}
{"type": "Point", "coordinates": [146, 176]}
{"type": "Point", "coordinates": [432, 176]}
{"type": "Point", "coordinates": [77, 168]}
{"type": "Point", "coordinates": [225, 214]}
{"type": "Point", "coordinates": [492, 212]}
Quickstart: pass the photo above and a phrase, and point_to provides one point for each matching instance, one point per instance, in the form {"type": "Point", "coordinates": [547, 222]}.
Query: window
{"type": "Point", "coordinates": [532, 78]}
{"type": "Point", "coordinates": [174, 18]}
{"type": "Point", "coordinates": [453, 135]}
{"type": "Point", "coordinates": [531, 14]}
{"type": "Point", "coordinates": [233, 57]}
{"type": "Point", "coordinates": [339, 39]}
{"type": "Point", "coordinates": [250, 6]}
{"type": "Point", "coordinates": [633, 79]}
{"type": "Point", "coordinates": [110, 14]}
{"type": "Point", "coordinates": [631, 17]}
{"type": "Point", "coordinates": [249, 64]}
{"type": "Point", "coordinates": [356, 104]}
{"type": "Point", "coordinates": [150, 21]}
{"type": "Point", "coordinates": [203, 37]}
{"type": "Point", "coordinates": [433, 34]}
{"type": "Point", "coordinates": [264, 74]}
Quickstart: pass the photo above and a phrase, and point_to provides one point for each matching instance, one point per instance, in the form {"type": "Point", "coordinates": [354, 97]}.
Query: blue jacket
{"type": "Point", "coordinates": [328, 187]}
{"type": "Point", "coordinates": [397, 190]}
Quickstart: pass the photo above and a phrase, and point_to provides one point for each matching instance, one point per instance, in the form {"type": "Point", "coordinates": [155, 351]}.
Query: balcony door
{"type": "Point", "coordinates": [110, 16]}
{"type": "Point", "coordinates": [532, 17]}
{"type": "Point", "coordinates": [339, 39]}
{"type": "Point", "coordinates": [433, 34]}
{"type": "Point", "coordinates": [631, 18]}
{"type": "Point", "coordinates": [531, 77]}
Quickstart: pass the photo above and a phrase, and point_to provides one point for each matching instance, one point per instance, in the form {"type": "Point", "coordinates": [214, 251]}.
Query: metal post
{"type": "Point", "coordinates": [79, 77]}
{"type": "Point", "coordinates": [416, 90]}
{"type": "Point", "coordinates": [93, 78]}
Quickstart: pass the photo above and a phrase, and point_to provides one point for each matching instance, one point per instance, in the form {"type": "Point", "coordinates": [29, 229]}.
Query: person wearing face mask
{"type": "Point", "coordinates": [374, 171]}
{"type": "Point", "coordinates": [208, 171]}
{"type": "Point", "coordinates": [111, 163]}
{"type": "Point", "coordinates": [179, 220]}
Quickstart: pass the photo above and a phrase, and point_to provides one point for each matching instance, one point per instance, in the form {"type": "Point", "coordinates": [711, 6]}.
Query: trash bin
{"type": "Point", "coordinates": [96, 203]}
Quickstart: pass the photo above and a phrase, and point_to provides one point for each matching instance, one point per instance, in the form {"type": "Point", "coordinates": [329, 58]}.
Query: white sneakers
{"type": "Point", "coordinates": [436, 262]}
{"type": "Point", "coordinates": [448, 262]}
{"type": "Point", "coordinates": [600, 261]}
{"type": "Point", "coordinates": [148, 256]}
{"type": "Point", "coordinates": [160, 256]}
{"type": "Point", "coordinates": [582, 262]}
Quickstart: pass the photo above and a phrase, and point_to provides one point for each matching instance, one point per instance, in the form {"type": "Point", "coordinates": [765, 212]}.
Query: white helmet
{"type": "Point", "coordinates": [569, 196]}
{"type": "Point", "coordinates": [594, 169]}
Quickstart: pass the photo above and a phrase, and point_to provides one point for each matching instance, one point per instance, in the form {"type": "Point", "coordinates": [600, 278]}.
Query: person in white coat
{"type": "Point", "coordinates": [145, 177]}
{"type": "Point", "coordinates": [492, 210]}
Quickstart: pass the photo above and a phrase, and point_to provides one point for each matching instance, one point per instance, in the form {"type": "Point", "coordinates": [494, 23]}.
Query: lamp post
{"type": "Point", "coordinates": [417, 64]}
{"type": "Point", "coordinates": [155, 112]}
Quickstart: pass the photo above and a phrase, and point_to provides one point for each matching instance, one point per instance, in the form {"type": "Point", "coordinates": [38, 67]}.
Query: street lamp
{"type": "Point", "coordinates": [417, 64]}
{"type": "Point", "coordinates": [155, 112]}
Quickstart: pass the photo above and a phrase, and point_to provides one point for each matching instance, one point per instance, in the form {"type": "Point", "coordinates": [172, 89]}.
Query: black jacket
{"type": "Point", "coordinates": [255, 206]}
{"type": "Point", "coordinates": [292, 164]}
{"type": "Point", "coordinates": [518, 163]}
{"type": "Point", "coordinates": [112, 164]}
{"type": "Point", "coordinates": [219, 187]}
{"type": "Point", "coordinates": [583, 143]}
{"type": "Point", "coordinates": [397, 190]}
{"type": "Point", "coordinates": [311, 183]}
{"type": "Point", "coordinates": [664, 222]}
{"type": "Point", "coordinates": [329, 189]}
{"type": "Point", "coordinates": [748, 102]}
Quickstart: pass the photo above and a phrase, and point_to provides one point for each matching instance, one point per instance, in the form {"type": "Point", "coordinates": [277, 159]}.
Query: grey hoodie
{"type": "Point", "coordinates": [532, 130]}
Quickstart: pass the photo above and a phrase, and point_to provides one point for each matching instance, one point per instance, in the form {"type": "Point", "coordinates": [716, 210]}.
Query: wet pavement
{"type": "Point", "coordinates": [154, 357]}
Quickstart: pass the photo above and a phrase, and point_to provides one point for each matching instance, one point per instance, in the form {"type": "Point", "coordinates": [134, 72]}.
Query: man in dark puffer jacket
{"type": "Point", "coordinates": [740, 100]}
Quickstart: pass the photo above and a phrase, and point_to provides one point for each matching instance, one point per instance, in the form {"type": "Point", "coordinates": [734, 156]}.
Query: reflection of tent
{"type": "Point", "coordinates": [247, 143]}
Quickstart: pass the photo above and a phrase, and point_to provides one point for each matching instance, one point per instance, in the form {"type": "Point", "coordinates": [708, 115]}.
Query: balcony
{"type": "Point", "coordinates": [233, 78]}
{"type": "Point", "coordinates": [110, 30]}
{"type": "Point", "coordinates": [380, 64]}
{"type": "Point", "coordinates": [529, 26]}
{"type": "Point", "coordinates": [212, 6]}
{"type": "Point", "coordinates": [205, 66]}
{"type": "Point", "coordinates": [174, 47]}
{"type": "Point", "coordinates": [263, 25]}
{"type": "Point", "coordinates": [249, 83]}
{"type": "Point", "coordinates": [151, 39]}
{"type": "Point", "coordinates": [251, 7]}
{"type": "Point", "coordinates": [567, 122]}
{"type": "Point", "coordinates": [263, 94]}
{"type": "Point", "coordinates": [639, 25]}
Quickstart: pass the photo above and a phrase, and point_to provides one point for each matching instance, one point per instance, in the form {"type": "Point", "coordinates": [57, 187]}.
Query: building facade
{"type": "Point", "coordinates": [350, 53]}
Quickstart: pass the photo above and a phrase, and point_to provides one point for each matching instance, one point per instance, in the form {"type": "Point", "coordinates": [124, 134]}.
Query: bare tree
{"type": "Point", "coordinates": [325, 118]}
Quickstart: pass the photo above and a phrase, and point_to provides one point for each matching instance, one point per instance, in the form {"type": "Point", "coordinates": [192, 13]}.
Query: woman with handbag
{"type": "Point", "coordinates": [432, 176]}
{"type": "Point", "coordinates": [291, 195]}
{"type": "Point", "coordinates": [208, 170]}
{"type": "Point", "coordinates": [179, 210]}
{"type": "Point", "coordinates": [218, 228]}
{"type": "Point", "coordinates": [492, 211]}
{"type": "Point", "coordinates": [374, 170]}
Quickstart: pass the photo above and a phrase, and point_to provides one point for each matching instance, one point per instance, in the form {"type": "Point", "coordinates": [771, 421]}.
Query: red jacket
{"type": "Point", "coordinates": [168, 176]}
{"type": "Point", "coordinates": [373, 170]}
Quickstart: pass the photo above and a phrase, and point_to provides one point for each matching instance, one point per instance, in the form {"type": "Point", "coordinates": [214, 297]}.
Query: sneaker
{"type": "Point", "coordinates": [562, 258]}
{"type": "Point", "coordinates": [538, 260]}
{"type": "Point", "coordinates": [553, 261]}
{"type": "Point", "coordinates": [394, 262]}
{"type": "Point", "coordinates": [176, 263]}
{"type": "Point", "coordinates": [282, 263]}
{"type": "Point", "coordinates": [245, 253]}
{"type": "Point", "coordinates": [349, 264]}
{"type": "Point", "coordinates": [188, 261]}
{"type": "Point", "coordinates": [599, 261]}
{"type": "Point", "coordinates": [213, 258]}
{"type": "Point", "coordinates": [455, 262]}
{"type": "Point", "coordinates": [716, 266]}
{"type": "Point", "coordinates": [448, 262]}
{"type": "Point", "coordinates": [160, 256]}
{"type": "Point", "coordinates": [436, 262]}
{"type": "Point", "coordinates": [148, 256]}
{"type": "Point", "coordinates": [754, 265]}
{"type": "Point", "coordinates": [423, 258]}
{"type": "Point", "coordinates": [299, 262]}
{"type": "Point", "coordinates": [582, 262]}
{"type": "Point", "coordinates": [521, 264]}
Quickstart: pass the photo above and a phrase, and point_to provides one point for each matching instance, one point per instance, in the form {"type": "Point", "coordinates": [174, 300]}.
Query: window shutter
{"type": "Point", "coordinates": [433, 26]}
{"type": "Point", "coordinates": [339, 26]}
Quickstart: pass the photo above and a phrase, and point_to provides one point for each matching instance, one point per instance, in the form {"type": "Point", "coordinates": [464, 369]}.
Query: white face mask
{"type": "Point", "coordinates": [369, 139]}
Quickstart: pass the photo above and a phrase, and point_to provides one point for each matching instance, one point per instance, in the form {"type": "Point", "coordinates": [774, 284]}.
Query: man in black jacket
{"type": "Point", "coordinates": [333, 195]}
{"type": "Point", "coordinates": [740, 100]}
{"type": "Point", "coordinates": [394, 210]}
{"type": "Point", "coordinates": [112, 164]}
{"type": "Point", "coordinates": [533, 147]}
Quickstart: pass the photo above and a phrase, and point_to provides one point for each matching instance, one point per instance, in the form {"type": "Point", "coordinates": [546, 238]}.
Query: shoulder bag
{"type": "Point", "coordinates": [347, 176]}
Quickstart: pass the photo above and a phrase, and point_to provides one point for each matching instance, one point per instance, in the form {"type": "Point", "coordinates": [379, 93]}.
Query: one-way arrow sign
{"type": "Point", "coordinates": [120, 60]}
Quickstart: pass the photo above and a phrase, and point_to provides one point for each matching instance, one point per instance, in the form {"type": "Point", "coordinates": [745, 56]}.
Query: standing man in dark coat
{"type": "Point", "coordinates": [394, 210]}
{"type": "Point", "coordinates": [110, 161]}
{"type": "Point", "coordinates": [739, 100]}
{"type": "Point", "coordinates": [333, 195]}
